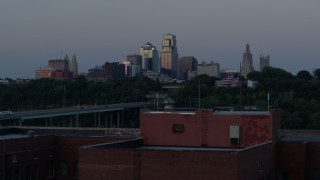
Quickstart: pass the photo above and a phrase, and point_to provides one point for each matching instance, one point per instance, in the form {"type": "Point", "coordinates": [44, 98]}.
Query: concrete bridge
{"type": "Point", "coordinates": [111, 115]}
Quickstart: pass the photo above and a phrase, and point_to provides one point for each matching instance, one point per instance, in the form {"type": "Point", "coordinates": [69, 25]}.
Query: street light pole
{"type": "Point", "coordinates": [64, 96]}
{"type": "Point", "coordinates": [157, 97]}
{"type": "Point", "coordinates": [4, 158]}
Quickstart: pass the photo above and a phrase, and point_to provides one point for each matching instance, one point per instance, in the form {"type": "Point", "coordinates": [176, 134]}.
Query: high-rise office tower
{"type": "Point", "coordinates": [135, 59]}
{"type": "Point", "coordinates": [59, 68]}
{"type": "Point", "coordinates": [169, 56]}
{"type": "Point", "coordinates": [59, 64]}
{"type": "Point", "coordinates": [247, 65]}
{"type": "Point", "coordinates": [150, 58]}
{"type": "Point", "coordinates": [210, 69]}
{"type": "Point", "coordinates": [187, 65]}
{"type": "Point", "coordinates": [73, 65]}
{"type": "Point", "coordinates": [113, 70]}
{"type": "Point", "coordinates": [264, 61]}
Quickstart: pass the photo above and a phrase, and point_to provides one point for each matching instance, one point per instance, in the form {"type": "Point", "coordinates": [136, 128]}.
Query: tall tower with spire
{"type": "Point", "coordinates": [73, 65]}
{"type": "Point", "coordinates": [247, 65]}
{"type": "Point", "coordinates": [169, 56]}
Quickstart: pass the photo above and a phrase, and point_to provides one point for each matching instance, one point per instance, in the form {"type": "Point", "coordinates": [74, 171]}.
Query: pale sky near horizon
{"type": "Point", "coordinates": [34, 31]}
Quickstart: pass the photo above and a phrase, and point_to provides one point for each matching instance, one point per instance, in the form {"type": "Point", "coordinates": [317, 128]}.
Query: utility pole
{"type": "Point", "coordinates": [199, 95]}
{"type": "Point", "coordinates": [157, 96]}
{"type": "Point", "coordinates": [268, 101]}
{"type": "Point", "coordinates": [64, 96]}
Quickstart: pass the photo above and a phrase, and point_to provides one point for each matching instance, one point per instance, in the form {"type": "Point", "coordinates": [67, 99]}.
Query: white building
{"type": "Point", "coordinates": [211, 69]}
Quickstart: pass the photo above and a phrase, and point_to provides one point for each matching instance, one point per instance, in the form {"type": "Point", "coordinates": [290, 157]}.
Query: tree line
{"type": "Point", "coordinates": [298, 96]}
{"type": "Point", "coordinates": [49, 93]}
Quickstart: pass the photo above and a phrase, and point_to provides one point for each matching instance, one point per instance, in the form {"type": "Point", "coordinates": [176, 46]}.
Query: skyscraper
{"type": "Point", "coordinates": [247, 66]}
{"type": "Point", "coordinates": [59, 64]}
{"type": "Point", "coordinates": [59, 69]}
{"type": "Point", "coordinates": [135, 59]}
{"type": "Point", "coordinates": [150, 58]}
{"type": "Point", "coordinates": [73, 65]}
{"type": "Point", "coordinates": [186, 65]}
{"type": "Point", "coordinates": [135, 64]}
{"type": "Point", "coordinates": [113, 70]}
{"type": "Point", "coordinates": [264, 61]}
{"type": "Point", "coordinates": [169, 56]}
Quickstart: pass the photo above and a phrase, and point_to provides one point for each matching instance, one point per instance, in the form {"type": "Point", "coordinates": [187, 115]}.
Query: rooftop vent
{"type": "Point", "coordinates": [30, 133]}
{"type": "Point", "coordinates": [168, 104]}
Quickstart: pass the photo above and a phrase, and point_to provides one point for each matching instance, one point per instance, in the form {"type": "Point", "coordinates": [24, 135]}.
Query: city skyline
{"type": "Point", "coordinates": [35, 31]}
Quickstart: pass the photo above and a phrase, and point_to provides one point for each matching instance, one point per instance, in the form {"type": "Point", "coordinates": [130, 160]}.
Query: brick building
{"type": "Point", "coordinates": [189, 145]}
{"type": "Point", "coordinates": [59, 69]}
{"type": "Point", "coordinates": [114, 70]}
{"type": "Point", "coordinates": [203, 144]}
{"type": "Point", "coordinates": [44, 155]}
{"type": "Point", "coordinates": [208, 128]}
{"type": "Point", "coordinates": [298, 155]}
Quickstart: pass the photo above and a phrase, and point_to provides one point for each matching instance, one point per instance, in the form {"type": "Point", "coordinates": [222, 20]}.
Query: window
{"type": "Point", "coordinates": [235, 134]}
{"type": "Point", "coordinates": [75, 169]}
{"type": "Point", "coordinates": [178, 128]}
{"type": "Point", "coordinates": [284, 175]}
{"type": "Point", "coordinates": [13, 173]}
{"type": "Point", "coordinates": [32, 172]}
{"type": "Point", "coordinates": [35, 155]}
{"type": "Point", "coordinates": [63, 169]}
{"type": "Point", "coordinates": [316, 174]}
{"type": "Point", "coordinates": [14, 158]}
{"type": "Point", "coordinates": [50, 168]}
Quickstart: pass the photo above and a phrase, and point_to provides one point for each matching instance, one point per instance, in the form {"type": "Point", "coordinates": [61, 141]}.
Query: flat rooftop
{"type": "Point", "coordinates": [258, 113]}
{"type": "Point", "coordinates": [214, 149]}
{"type": "Point", "coordinates": [172, 148]}
{"type": "Point", "coordinates": [13, 136]}
{"type": "Point", "coordinates": [138, 144]}
{"type": "Point", "coordinates": [298, 136]}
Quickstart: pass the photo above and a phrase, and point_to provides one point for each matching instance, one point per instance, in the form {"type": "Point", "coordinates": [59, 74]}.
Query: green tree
{"type": "Point", "coordinates": [303, 74]}
{"type": "Point", "coordinates": [316, 74]}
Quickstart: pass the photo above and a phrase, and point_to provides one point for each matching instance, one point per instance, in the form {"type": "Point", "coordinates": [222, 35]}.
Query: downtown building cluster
{"type": "Point", "coordinates": [59, 68]}
{"type": "Point", "coordinates": [164, 66]}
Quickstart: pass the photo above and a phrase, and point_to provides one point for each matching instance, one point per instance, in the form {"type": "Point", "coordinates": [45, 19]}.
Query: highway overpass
{"type": "Point", "coordinates": [46, 114]}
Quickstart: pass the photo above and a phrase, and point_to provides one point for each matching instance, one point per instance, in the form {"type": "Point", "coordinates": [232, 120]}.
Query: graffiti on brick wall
{"type": "Point", "coordinates": [255, 132]}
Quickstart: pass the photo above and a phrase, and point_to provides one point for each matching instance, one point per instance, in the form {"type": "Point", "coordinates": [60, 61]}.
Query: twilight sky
{"type": "Point", "coordinates": [33, 31]}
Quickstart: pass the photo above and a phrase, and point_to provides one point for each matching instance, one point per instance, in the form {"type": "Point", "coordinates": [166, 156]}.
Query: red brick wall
{"type": "Point", "coordinates": [156, 129]}
{"type": "Point", "coordinates": [28, 151]}
{"type": "Point", "coordinates": [253, 130]}
{"type": "Point", "coordinates": [291, 159]}
{"type": "Point", "coordinates": [116, 163]}
{"type": "Point", "coordinates": [97, 164]}
{"type": "Point", "coordinates": [68, 150]}
{"type": "Point", "coordinates": [40, 150]}
{"type": "Point", "coordinates": [187, 165]}
{"type": "Point", "coordinates": [313, 158]}
{"type": "Point", "coordinates": [257, 162]}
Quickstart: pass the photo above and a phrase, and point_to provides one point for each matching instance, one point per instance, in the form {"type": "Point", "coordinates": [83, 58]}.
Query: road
{"type": "Point", "coordinates": [70, 111]}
